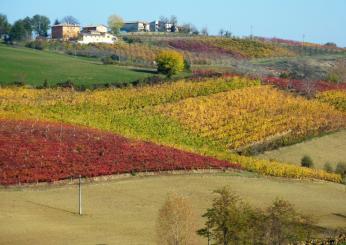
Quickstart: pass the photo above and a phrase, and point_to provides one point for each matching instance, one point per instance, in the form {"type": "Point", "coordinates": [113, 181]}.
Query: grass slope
{"type": "Point", "coordinates": [33, 67]}
{"type": "Point", "coordinates": [124, 211]}
{"type": "Point", "coordinates": [330, 148]}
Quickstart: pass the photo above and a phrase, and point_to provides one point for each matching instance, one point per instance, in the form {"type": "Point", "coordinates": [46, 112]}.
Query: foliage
{"type": "Point", "coordinates": [302, 86]}
{"type": "Point", "coordinates": [115, 23]}
{"type": "Point", "coordinates": [255, 119]}
{"type": "Point", "coordinates": [21, 30]}
{"type": "Point", "coordinates": [170, 63]}
{"type": "Point", "coordinates": [234, 47]}
{"type": "Point", "coordinates": [5, 26]}
{"type": "Point", "coordinates": [40, 24]}
{"type": "Point", "coordinates": [286, 225]}
{"type": "Point", "coordinates": [307, 162]}
{"type": "Point", "coordinates": [176, 223]}
{"type": "Point", "coordinates": [232, 221]}
{"type": "Point", "coordinates": [341, 168]}
{"type": "Point", "coordinates": [34, 151]}
{"type": "Point", "coordinates": [336, 98]}
{"type": "Point", "coordinates": [134, 112]}
{"type": "Point", "coordinates": [328, 167]}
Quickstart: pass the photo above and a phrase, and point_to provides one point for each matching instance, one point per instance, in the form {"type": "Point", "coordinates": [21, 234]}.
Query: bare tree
{"type": "Point", "coordinates": [70, 20]}
{"type": "Point", "coordinates": [204, 31]}
{"type": "Point", "coordinates": [176, 224]}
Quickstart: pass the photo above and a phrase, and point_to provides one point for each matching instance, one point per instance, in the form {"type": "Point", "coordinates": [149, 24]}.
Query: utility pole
{"type": "Point", "coordinates": [80, 194]}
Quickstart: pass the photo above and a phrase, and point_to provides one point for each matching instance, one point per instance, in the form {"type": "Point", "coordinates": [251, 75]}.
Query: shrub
{"type": "Point", "coordinates": [328, 167]}
{"type": "Point", "coordinates": [170, 63]}
{"type": "Point", "coordinates": [307, 162]}
{"type": "Point", "coordinates": [341, 168]}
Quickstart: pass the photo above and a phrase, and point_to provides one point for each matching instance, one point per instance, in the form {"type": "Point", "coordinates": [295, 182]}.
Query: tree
{"type": "Point", "coordinates": [174, 20]}
{"type": "Point", "coordinates": [341, 168]}
{"type": "Point", "coordinates": [170, 63]}
{"type": "Point", "coordinates": [164, 20]}
{"type": "Point", "coordinates": [21, 30]}
{"type": "Point", "coordinates": [176, 223]}
{"type": "Point", "coordinates": [5, 27]}
{"type": "Point", "coordinates": [56, 22]}
{"type": "Point", "coordinates": [285, 225]}
{"type": "Point", "coordinates": [115, 23]}
{"type": "Point", "coordinates": [185, 28]}
{"type": "Point", "coordinates": [328, 167]}
{"type": "Point", "coordinates": [204, 31]}
{"type": "Point", "coordinates": [231, 221]}
{"type": "Point", "coordinates": [70, 20]}
{"type": "Point", "coordinates": [40, 24]}
{"type": "Point", "coordinates": [307, 162]}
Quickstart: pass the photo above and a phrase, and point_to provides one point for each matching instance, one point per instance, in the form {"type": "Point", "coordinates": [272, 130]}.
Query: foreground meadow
{"type": "Point", "coordinates": [125, 211]}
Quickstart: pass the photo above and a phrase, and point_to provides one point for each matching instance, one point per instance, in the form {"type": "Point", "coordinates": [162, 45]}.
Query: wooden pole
{"type": "Point", "coordinates": [80, 195]}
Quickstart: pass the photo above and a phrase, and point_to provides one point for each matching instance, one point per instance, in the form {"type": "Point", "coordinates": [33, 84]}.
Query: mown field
{"type": "Point", "coordinates": [327, 149]}
{"type": "Point", "coordinates": [34, 67]}
{"type": "Point", "coordinates": [125, 211]}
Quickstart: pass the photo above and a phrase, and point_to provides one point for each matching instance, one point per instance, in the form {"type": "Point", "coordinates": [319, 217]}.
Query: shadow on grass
{"type": "Point", "coordinates": [144, 70]}
{"type": "Point", "coordinates": [54, 208]}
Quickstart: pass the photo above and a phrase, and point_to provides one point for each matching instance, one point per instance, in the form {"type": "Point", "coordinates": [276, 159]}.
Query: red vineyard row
{"type": "Point", "coordinates": [303, 86]}
{"type": "Point", "coordinates": [33, 152]}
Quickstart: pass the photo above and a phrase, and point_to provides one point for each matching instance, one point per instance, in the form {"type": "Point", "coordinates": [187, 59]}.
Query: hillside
{"type": "Point", "coordinates": [187, 115]}
{"type": "Point", "coordinates": [33, 67]}
{"type": "Point", "coordinates": [327, 149]}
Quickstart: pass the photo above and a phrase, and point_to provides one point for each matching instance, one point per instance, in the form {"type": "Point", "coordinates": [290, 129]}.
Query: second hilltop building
{"type": "Point", "coordinates": [88, 34]}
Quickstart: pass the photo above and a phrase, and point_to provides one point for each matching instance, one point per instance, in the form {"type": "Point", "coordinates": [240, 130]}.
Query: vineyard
{"type": "Point", "coordinates": [304, 86]}
{"type": "Point", "coordinates": [248, 117]}
{"type": "Point", "coordinates": [336, 98]}
{"type": "Point", "coordinates": [208, 116]}
{"type": "Point", "coordinates": [45, 152]}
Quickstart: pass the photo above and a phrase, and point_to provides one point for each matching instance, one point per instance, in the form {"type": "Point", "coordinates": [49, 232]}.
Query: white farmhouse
{"type": "Point", "coordinates": [96, 34]}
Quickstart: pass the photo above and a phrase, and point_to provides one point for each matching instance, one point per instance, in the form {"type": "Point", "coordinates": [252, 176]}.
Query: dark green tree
{"type": "Point", "coordinates": [5, 27]}
{"type": "Point", "coordinates": [231, 221]}
{"type": "Point", "coordinates": [307, 162]}
{"type": "Point", "coordinates": [21, 30]}
{"type": "Point", "coordinates": [40, 24]}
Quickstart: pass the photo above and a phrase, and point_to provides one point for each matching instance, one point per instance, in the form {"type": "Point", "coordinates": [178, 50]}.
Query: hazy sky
{"type": "Point", "coordinates": [320, 20]}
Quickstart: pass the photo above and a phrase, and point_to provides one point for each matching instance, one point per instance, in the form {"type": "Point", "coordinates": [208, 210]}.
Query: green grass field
{"type": "Point", "coordinates": [330, 148]}
{"type": "Point", "coordinates": [33, 67]}
{"type": "Point", "coordinates": [124, 211]}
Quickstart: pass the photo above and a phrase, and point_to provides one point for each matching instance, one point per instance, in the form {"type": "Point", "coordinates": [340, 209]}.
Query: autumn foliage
{"type": "Point", "coordinates": [33, 151]}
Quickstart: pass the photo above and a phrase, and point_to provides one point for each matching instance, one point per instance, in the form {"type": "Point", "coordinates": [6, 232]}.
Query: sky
{"type": "Point", "coordinates": [318, 21]}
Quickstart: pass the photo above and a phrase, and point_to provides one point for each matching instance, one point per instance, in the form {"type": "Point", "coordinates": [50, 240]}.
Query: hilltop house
{"type": "Point", "coordinates": [96, 34]}
{"type": "Point", "coordinates": [154, 26]}
{"type": "Point", "coordinates": [98, 28]}
{"type": "Point", "coordinates": [65, 32]}
{"type": "Point", "coordinates": [136, 26]}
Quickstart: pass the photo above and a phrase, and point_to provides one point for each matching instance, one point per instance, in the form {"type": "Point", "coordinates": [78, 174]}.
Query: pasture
{"type": "Point", "coordinates": [124, 211]}
{"type": "Point", "coordinates": [32, 67]}
{"type": "Point", "coordinates": [330, 148]}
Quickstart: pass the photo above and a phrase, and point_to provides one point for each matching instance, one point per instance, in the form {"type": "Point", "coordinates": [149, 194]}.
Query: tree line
{"type": "Point", "coordinates": [23, 29]}
{"type": "Point", "coordinates": [230, 220]}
